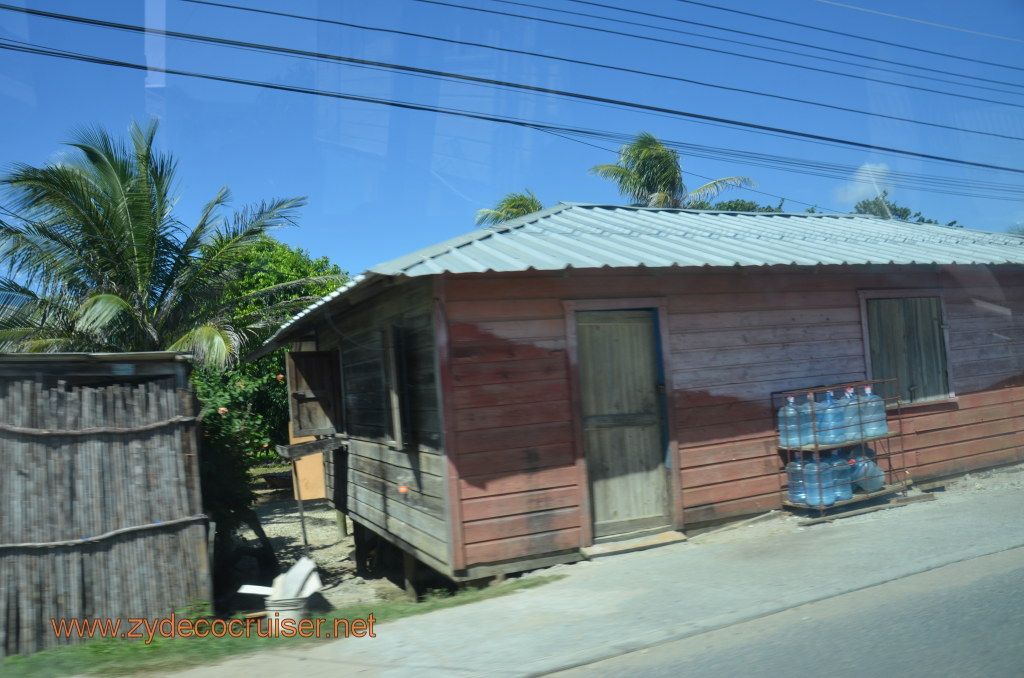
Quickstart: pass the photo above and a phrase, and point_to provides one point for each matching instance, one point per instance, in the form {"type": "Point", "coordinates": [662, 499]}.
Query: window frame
{"type": "Point", "coordinates": [908, 293]}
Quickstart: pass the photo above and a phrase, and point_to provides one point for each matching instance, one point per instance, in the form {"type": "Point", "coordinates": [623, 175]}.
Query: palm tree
{"type": "Point", "coordinates": [512, 206]}
{"type": "Point", "coordinates": [650, 174]}
{"type": "Point", "coordinates": [98, 261]}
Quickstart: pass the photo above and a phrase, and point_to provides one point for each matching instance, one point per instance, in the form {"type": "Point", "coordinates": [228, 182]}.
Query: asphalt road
{"type": "Point", "coordinates": [961, 620]}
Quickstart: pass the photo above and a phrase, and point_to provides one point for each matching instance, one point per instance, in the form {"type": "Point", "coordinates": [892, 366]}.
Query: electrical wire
{"type": "Point", "coordinates": [321, 56]}
{"type": "Point", "coordinates": [920, 21]}
{"type": "Point", "coordinates": [502, 119]}
{"type": "Point", "coordinates": [761, 36]}
{"type": "Point", "coordinates": [582, 62]}
{"type": "Point", "coordinates": [852, 35]}
{"type": "Point", "coordinates": [577, 26]}
{"type": "Point", "coordinates": [456, 76]}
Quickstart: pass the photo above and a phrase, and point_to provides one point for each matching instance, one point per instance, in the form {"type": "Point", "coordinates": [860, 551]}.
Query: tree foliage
{"type": "Point", "coordinates": [736, 206]}
{"type": "Point", "coordinates": [650, 173]}
{"type": "Point", "coordinates": [881, 206]}
{"type": "Point", "coordinates": [245, 406]}
{"type": "Point", "coordinates": [97, 259]}
{"type": "Point", "coordinates": [512, 206]}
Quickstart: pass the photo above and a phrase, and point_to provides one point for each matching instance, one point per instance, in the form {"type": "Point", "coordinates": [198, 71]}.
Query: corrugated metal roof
{"type": "Point", "coordinates": [595, 236]}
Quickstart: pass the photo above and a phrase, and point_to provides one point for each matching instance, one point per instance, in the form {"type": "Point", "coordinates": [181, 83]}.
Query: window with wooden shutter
{"type": "Point", "coordinates": [906, 339]}
{"type": "Point", "coordinates": [365, 364]}
{"type": "Point", "coordinates": [314, 391]}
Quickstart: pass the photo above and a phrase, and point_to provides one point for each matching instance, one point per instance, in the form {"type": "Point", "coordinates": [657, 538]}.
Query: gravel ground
{"type": "Point", "coordinates": [334, 555]}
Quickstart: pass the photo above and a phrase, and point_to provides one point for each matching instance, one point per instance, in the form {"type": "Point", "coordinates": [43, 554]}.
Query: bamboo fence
{"type": "Point", "coordinates": [100, 510]}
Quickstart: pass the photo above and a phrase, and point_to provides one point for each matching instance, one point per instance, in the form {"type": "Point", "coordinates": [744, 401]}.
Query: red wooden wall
{"type": "Point", "coordinates": [736, 336]}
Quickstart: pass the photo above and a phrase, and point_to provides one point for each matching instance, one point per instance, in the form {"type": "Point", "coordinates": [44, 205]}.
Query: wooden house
{"type": "Point", "coordinates": [504, 399]}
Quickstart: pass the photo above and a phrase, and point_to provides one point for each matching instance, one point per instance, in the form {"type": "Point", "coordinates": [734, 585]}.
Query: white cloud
{"type": "Point", "coordinates": [868, 181]}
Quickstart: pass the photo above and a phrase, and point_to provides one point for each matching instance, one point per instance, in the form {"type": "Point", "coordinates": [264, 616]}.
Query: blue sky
{"type": "Point", "coordinates": [382, 181]}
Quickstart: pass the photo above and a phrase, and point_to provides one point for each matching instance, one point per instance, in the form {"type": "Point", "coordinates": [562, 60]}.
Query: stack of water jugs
{"type": "Point", "coordinates": [824, 480]}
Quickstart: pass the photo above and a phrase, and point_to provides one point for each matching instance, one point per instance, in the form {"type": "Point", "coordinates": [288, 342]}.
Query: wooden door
{"type": "Point", "coordinates": [621, 389]}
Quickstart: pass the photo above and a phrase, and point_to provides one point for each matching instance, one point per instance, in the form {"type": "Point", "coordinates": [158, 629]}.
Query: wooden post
{"type": "Point", "coordinates": [302, 513]}
{"type": "Point", "coordinates": [342, 524]}
{"type": "Point", "coordinates": [409, 572]}
{"type": "Point", "coordinates": [360, 541]}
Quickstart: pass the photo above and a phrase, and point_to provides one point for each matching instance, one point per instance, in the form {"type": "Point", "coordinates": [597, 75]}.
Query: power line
{"type": "Point", "coordinates": [853, 35]}
{"type": "Point", "coordinates": [577, 26]}
{"type": "Point", "coordinates": [760, 36]}
{"type": "Point", "coordinates": [466, 78]}
{"type": "Point", "coordinates": [484, 117]}
{"type": "Point", "coordinates": [920, 21]}
{"type": "Point", "coordinates": [633, 71]}
{"type": "Point", "coordinates": [512, 121]}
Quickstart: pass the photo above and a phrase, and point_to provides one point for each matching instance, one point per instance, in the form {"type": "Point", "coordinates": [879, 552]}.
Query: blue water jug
{"type": "Point", "coordinates": [818, 483]}
{"type": "Point", "coordinates": [789, 424]}
{"type": "Point", "coordinates": [795, 480]}
{"type": "Point", "coordinates": [842, 476]}
{"type": "Point", "coordinates": [872, 413]}
{"type": "Point", "coordinates": [867, 475]}
{"type": "Point", "coordinates": [829, 422]}
{"type": "Point", "coordinates": [850, 406]}
{"type": "Point", "coordinates": [804, 412]}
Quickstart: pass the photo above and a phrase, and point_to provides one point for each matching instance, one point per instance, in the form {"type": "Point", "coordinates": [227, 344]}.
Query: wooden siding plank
{"type": "Point", "coordinates": [522, 547]}
{"type": "Point", "coordinates": [716, 433]}
{"type": "Point", "coordinates": [706, 414]}
{"type": "Point", "coordinates": [394, 476]}
{"type": "Point", "coordinates": [503, 309]}
{"type": "Point", "coordinates": [492, 395]}
{"type": "Point", "coordinates": [515, 438]}
{"type": "Point", "coordinates": [524, 524]}
{"type": "Point", "coordinates": [737, 489]}
{"type": "Point", "coordinates": [960, 465]}
{"type": "Point", "coordinates": [503, 483]}
{"type": "Point", "coordinates": [507, 330]}
{"type": "Point", "coordinates": [431, 504]}
{"type": "Point", "coordinates": [373, 450]}
{"type": "Point", "coordinates": [522, 502]}
{"type": "Point", "coordinates": [474, 374]}
{"type": "Point", "coordinates": [501, 351]}
{"type": "Point", "coordinates": [747, 375]}
{"type": "Point", "coordinates": [725, 452]}
{"type": "Point", "coordinates": [770, 341]}
{"type": "Point", "coordinates": [964, 385]}
{"type": "Point", "coordinates": [730, 471]}
{"type": "Point", "coordinates": [725, 356]}
{"type": "Point", "coordinates": [419, 543]}
{"type": "Point", "coordinates": [754, 301]}
{"type": "Point", "coordinates": [398, 510]}
{"type": "Point", "coordinates": [731, 509]}
{"type": "Point", "coordinates": [958, 419]}
{"type": "Point", "coordinates": [769, 320]}
{"type": "Point", "coordinates": [969, 448]}
{"type": "Point", "coordinates": [506, 416]}
{"type": "Point", "coordinates": [514, 462]}
{"type": "Point", "coordinates": [687, 396]}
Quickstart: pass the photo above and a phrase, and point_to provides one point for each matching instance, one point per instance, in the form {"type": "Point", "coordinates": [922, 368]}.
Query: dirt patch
{"type": "Point", "coordinates": [333, 554]}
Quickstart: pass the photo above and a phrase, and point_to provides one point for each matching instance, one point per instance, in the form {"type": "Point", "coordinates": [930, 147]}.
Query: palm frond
{"type": "Point", "coordinates": [100, 311]}
{"type": "Point", "coordinates": [512, 206]}
{"type": "Point", "coordinates": [211, 345]}
{"type": "Point", "coordinates": [710, 190]}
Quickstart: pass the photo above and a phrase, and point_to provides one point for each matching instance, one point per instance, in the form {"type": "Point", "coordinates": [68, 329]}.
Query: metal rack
{"type": "Point", "coordinates": [892, 464]}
